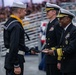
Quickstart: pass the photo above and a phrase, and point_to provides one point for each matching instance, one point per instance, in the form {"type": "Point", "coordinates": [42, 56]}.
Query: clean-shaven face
{"type": "Point", "coordinates": [23, 13]}
{"type": "Point", "coordinates": [63, 21]}
{"type": "Point", "coordinates": [50, 14]}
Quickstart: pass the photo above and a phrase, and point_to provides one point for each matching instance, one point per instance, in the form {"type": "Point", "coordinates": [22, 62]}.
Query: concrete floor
{"type": "Point", "coordinates": [30, 66]}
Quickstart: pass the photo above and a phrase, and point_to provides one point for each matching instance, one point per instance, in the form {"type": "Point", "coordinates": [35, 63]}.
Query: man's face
{"type": "Point", "coordinates": [23, 13]}
{"type": "Point", "coordinates": [50, 14]}
{"type": "Point", "coordinates": [63, 21]}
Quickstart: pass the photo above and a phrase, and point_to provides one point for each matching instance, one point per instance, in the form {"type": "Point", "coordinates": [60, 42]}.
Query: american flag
{"type": "Point", "coordinates": [43, 31]}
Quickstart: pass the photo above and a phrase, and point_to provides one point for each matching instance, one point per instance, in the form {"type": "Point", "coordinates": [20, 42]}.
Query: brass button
{"type": "Point", "coordinates": [48, 43]}
{"type": "Point", "coordinates": [48, 38]}
{"type": "Point", "coordinates": [60, 46]}
{"type": "Point", "coordinates": [63, 57]}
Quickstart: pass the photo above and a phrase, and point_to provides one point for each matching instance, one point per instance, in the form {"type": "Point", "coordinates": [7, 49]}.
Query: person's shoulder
{"type": "Point", "coordinates": [11, 23]}
{"type": "Point", "coordinates": [73, 28]}
{"type": "Point", "coordinates": [56, 22]}
{"type": "Point", "coordinates": [15, 24]}
{"type": "Point", "coordinates": [8, 21]}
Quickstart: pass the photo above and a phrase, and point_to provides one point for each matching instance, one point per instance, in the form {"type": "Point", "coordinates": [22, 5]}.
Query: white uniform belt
{"type": "Point", "coordinates": [19, 52]}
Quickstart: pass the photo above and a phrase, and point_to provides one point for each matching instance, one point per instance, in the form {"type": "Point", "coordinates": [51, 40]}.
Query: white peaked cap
{"type": "Point", "coordinates": [49, 5]}
{"type": "Point", "coordinates": [64, 12]}
{"type": "Point", "coordinates": [19, 4]}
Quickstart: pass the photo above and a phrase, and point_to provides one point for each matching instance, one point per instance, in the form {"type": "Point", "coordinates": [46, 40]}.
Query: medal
{"type": "Point", "coordinates": [66, 42]}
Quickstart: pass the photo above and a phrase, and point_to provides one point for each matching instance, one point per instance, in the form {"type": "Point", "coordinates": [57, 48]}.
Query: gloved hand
{"type": "Point", "coordinates": [34, 51]}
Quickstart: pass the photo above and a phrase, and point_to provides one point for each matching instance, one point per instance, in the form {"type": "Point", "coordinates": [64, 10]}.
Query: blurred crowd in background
{"type": "Point", "coordinates": [36, 7]}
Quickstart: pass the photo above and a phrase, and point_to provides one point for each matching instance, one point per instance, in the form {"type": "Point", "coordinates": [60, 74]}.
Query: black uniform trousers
{"type": "Point", "coordinates": [11, 71]}
{"type": "Point", "coordinates": [51, 69]}
{"type": "Point", "coordinates": [69, 73]}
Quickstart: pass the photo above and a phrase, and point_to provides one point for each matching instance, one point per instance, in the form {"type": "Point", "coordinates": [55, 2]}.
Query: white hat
{"type": "Point", "coordinates": [64, 12]}
{"type": "Point", "coordinates": [50, 6]}
{"type": "Point", "coordinates": [19, 5]}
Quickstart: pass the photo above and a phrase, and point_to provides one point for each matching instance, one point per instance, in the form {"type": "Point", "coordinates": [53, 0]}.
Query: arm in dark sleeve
{"type": "Point", "coordinates": [14, 43]}
{"type": "Point", "coordinates": [27, 50]}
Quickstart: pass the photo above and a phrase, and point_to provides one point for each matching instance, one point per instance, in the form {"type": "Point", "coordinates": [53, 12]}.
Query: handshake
{"type": "Point", "coordinates": [34, 51]}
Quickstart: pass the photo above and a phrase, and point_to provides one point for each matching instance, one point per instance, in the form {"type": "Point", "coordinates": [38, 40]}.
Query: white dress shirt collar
{"type": "Point", "coordinates": [52, 20]}
{"type": "Point", "coordinates": [67, 27]}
